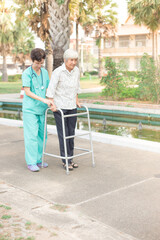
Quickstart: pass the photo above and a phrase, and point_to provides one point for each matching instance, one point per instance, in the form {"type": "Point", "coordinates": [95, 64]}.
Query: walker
{"type": "Point", "coordinates": [86, 151]}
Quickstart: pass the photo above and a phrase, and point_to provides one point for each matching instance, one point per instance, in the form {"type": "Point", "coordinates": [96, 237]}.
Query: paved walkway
{"type": "Point", "coordinates": [116, 200]}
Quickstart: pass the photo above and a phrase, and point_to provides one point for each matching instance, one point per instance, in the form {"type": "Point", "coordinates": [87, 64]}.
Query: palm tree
{"type": "Point", "coordinates": [59, 29]}
{"type": "Point", "coordinates": [37, 14]}
{"type": "Point", "coordinates": [104, 23]}
{"type": "Point", "coordinates": [59, 23]}
{"type": "Point", "coordinates": [50, 20]}
{"type": "Point", "coordinates": [79, 13]}
{"type": "Point", "coordinates": [24, 44]}
{"type": "Point", "coordinates": [7, 35]}
{"type": "Point", "coordinates": [147, 12]}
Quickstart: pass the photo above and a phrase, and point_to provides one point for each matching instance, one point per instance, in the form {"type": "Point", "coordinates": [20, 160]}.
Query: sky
{"type": "Point", "coordinates": [122, 10]}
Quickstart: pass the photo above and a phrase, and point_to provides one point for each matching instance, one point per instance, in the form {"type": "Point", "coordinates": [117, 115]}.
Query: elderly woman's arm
{"type": "Point", "coordinates": [51, 90]}
{"type": "Point", "coordinates": [77, 102]}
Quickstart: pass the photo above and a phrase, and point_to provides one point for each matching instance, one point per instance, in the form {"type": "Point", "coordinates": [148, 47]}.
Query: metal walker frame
{"type": "Point", "coordinates": [87, 151]}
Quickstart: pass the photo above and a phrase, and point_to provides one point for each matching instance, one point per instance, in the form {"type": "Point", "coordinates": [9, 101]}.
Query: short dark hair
{"type": "Point", "coordinates": [38, 54]}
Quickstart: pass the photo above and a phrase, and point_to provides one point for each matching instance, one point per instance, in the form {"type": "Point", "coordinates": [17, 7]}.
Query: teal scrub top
{"type": "Point", "coordinates": [34, 82]}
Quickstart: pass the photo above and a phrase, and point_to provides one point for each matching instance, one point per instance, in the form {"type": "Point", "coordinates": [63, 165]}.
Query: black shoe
{"type": "Point", "coordinates": [74, 165]}
{"type": "Point", "coordinates": [70, 167]}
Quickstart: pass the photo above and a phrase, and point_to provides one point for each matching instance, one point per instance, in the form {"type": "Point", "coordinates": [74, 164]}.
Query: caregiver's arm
{"type": "Point", "coordinates": [34, 96]}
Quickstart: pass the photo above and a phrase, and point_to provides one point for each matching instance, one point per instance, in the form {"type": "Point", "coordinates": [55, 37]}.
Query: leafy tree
{"type": "Point", "coordinates": [37, 14]}
{"type": "Point", "coordinates": [104, 21]}
{"type": "Point", "coordinates": [80, 12]}
{"type": "Point", "coordinates": [50, 20]}
{"type": "Point", "coordinates": [57, 13]}
{"type": "Point", "coordinates": [24, 44]}
{"type": "Point", "coordinates": [149, 80]}
{"type": "Point", "coordinates": [116, 82]}
{"type": "Point", "coordinates": [7, 35]}
{"type": "Point", "coordinates": [113, 80]}
{"type": "Point", "coordinates": [147, 12]}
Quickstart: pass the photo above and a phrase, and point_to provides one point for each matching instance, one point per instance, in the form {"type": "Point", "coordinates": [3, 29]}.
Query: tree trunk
{"type": "Point", "coordinates": [100, 58]}
{"type": "Point", "coordinates": [77, 36]}
{"type": "Point", "coordinates": [23, 66]}
{"type": "Point", "coordinates": [59, 30]}
{"type": "Point", "coordinates": [77, 40]}
{"type": "Point", "coordinates": [82, 63]}
{"type": "Point", "coordinates": [4, 68]}
{"type": "Point", "coordinates": [49, 58]}
{"type": "Point", "coordinates": [156, 48]}
{"type": "Point", "coordinates": [57, 57]}
{"type": "Point", "coordinates": [153, 45]}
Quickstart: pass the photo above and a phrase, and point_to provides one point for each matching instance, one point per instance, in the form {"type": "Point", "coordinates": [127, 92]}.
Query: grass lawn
{"type": "Point", "coordinates": [90, 82]}
{"type": "Point", "coordinates": [15, 87]}
{"type": "Point", "coordinates": [10, 87]}
{"type": "Point", "coordinates": [90, 95]}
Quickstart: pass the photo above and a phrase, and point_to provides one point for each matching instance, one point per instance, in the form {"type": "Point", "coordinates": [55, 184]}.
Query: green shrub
{"type": "Point", "coordinates": [113, 81]}
{"type": "Point", "coordinates": [131, 73]}
{"type": "Point", "coordinates": [91, 73]}
{"type": "Point", "coordinates": [13, 78]}
{"type": "Point", "coordinates": [149, 80]}
{"type": "Point", "coordinates": [130, 93]}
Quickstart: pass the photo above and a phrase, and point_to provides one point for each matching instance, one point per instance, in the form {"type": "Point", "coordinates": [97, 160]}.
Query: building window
{"type": "Point", "coordinates": [124, 41]}
{"type": "Point", "coordinates": [110, 43]}
{"type": "Point", "coordinates": [140, 40]}
{"type": "Point", "coordinates": [137, 63]}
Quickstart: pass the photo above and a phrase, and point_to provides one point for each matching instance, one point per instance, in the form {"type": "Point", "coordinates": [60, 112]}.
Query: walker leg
{"type": "Point", "coordinates": [64, 141]}
{"type": "Point", "coordinates": [90, 136]}
{"type": "Point", "coordinates": [44, 137]}
{"type": "Point", "coordinates": [93, 162]}
{"type": "Point", "coordinates": [67, 170]}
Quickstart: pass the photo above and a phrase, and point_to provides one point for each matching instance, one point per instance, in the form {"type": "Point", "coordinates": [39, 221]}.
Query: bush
{"type": "Point", "coordinates": [149, 80]}
{"type": "Point", "coordinates": [91, 73]}
{"type": "Point", "coordinates": [131, 73]}
{"type": "Point", "coordinates": [13, 78]}
{"type": "Point", "coordinates": [113, 81]}
{"type": "Point", "coordinates": [130, 93]}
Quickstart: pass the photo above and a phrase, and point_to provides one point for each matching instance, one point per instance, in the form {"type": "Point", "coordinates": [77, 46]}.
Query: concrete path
{"type": "Point", "coordinates": [116, 200]}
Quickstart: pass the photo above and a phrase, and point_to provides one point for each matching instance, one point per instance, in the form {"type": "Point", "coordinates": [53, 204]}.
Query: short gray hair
{"type": "Point", "coordinates": [70, 53]}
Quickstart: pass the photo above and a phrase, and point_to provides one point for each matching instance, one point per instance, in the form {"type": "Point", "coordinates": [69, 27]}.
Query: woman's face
{"type": "Point", "coordinates": [37, 64]}
{"type": "Point", "coordinates": [70, 63]}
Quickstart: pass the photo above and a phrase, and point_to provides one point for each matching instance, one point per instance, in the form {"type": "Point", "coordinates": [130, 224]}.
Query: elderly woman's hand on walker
{"type": "Point", "coordinates": [48, 102]}
{"type": "Point", "coordinates": [53, 107]}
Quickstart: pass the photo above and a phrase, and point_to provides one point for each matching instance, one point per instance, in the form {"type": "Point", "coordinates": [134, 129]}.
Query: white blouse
{"type": "Point", "coordinates": [64, 87]}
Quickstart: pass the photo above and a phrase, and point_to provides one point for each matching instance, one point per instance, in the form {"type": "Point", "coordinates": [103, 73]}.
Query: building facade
{"type": "Point", "coordinates": [129, 44]}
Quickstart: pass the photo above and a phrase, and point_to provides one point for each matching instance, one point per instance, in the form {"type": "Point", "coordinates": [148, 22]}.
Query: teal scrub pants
{"type": "Point", "coordinates": [33, 137]}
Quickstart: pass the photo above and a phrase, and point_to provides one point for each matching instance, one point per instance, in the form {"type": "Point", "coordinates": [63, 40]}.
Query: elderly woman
{"type": "Point", "coordinates": [63, 91]}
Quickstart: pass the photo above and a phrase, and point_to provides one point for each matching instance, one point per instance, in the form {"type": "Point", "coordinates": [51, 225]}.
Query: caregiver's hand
{"type": "Point", "coordinates": [53, 107]}
{"type": "Point", "coordinates": [48, 102]}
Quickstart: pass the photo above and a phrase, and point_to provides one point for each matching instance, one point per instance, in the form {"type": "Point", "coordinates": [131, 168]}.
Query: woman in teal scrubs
{"type": "Point", "coordinates": [35, 82]}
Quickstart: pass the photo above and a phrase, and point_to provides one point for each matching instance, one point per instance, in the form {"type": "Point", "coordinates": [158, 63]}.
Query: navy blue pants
{"type": "Point", "coordinates": [70, 124]}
